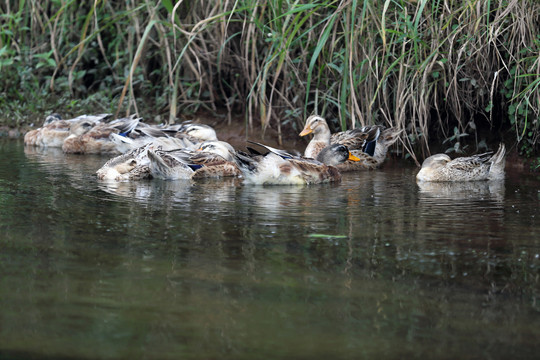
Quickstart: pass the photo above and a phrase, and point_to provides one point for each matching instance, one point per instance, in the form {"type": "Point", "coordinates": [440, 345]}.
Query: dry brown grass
{"type": "Point", "coordinates": [437, 69]}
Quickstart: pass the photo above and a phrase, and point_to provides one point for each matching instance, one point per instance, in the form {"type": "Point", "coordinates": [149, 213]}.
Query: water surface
{"type": "Point", "coordinates": [375, 267]}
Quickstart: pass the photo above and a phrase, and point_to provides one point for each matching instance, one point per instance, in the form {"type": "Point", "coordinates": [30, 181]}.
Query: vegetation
{"type": "Point", "coordinates": [458, 71]}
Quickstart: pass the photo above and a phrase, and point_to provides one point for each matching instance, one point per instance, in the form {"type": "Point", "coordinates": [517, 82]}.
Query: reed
{"type": "Point", "coordinates": [458, 72]}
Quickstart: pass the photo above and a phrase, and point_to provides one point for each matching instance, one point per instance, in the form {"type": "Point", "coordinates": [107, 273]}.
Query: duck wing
{"type": "Point", "coordinates": [364, 139]}
{"type": "Point", "coordinates": [125, 125]}
{"type": "Point", "coordinates": [279, 152]}
{"type": "Point", "coordinates": [469, 163]}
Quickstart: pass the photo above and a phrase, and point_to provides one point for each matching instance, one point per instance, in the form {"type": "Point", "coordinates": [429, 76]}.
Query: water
{"type": "Point", "coordinates": [375, 267]}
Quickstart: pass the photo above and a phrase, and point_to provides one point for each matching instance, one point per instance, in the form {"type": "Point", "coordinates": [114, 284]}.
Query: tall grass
{"type": "Point", "coordinates": [441, 70]}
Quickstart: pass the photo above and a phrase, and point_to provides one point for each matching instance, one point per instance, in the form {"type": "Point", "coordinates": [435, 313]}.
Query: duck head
{"type": "Point", "coordinates": [316, 125]}
{"type": "Point", "coordinates": [335, 154]}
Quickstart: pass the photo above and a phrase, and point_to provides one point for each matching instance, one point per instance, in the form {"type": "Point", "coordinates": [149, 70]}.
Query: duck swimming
{"type": "Point", "coordinates": [212, 159]}
{"type": "Point", "coordinates": [194, 133]}
{"type": "Point", "coordinates": [369, 143]}
{"type": "Point", "coordinates": [440, 167]}
{"type": "Point", "coordinates": [355, 139]}
{"type": "Point", "coordinates": [54, 131]}
{"type": "Point", "coordinates": [144, 134]}
{"type": "Point", "coordinates": [98, 139]}
{"type": "Point", "coordinates": [132, 165]}
{"type": "Point", "coordinates": [386, 138]}
{"type": "Point", "coordinates": [281, 168]}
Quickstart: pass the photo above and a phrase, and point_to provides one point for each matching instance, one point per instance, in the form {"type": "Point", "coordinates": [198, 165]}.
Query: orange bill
{"type": "Point", "coordinates": [306, 131]}
{"type": "Point", "coordinates": [352, 157]}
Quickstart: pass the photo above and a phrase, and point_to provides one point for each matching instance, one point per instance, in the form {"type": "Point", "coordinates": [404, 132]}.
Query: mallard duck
{"type": "Point", "coordinates": [440, 167]}
{"type": "Point", "coordinates": [132, 165]}
{"type": "Point", "coordinates": [212, 159]}
{"type": "Point", "coordinates": [144, 134]}
{"type": "Point", "coordinates": [98, 139]}
{"type": "Point", "coordinates": [281, 168]}
{"type": "Point", "coordinates": [54, 130]}
{"type": "Point", "coordinates": [369, 143]}
{"type": "Point", "coordinates": [386, 138]}
{"type": "Point", "coordinates": [195, 133]}
{"type": "Point", "coordinates": [356, 139]}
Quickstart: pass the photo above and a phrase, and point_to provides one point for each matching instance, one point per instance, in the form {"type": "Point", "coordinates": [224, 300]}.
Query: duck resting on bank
{"type": "Point", "coordinates": [440, 167]}
{"type": "Point", "coordinates": [369, 143]}
{"type": "Point", "coordinates": [280, 168]}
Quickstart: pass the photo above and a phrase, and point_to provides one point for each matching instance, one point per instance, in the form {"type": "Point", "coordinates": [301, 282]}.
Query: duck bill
{"type": "Point", "coordinates": [353, 158]}
{"type": "Point", "coordinates": [306, 131]}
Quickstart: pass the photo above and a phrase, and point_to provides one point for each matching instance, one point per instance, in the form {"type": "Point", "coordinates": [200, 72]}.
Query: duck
{"type": "Point", "coordinates": [55, 130]}
{"type": "Point", "coordinates": [386, 138]}
{"type": "Point", "coordinates": [363, 138]}
{"type": "Point", "coordinates": [440, 167]}
{"type": "Point", "coordinates": [144, 134]}
{"type": "Point", "coordinates": [133, 165]}
{"type": "Point", "coordinates": [369, 143]}
{"type": "Point", "coordinates": [98, 139]}
{"type": "Point", "coordinates": [277, 167]}
{"type": "Point", "coordinates": [212, 159]}
{"type": "Point", "coordinates": [194, 133]}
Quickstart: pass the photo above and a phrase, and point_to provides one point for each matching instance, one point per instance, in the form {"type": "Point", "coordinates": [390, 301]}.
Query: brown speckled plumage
{"type": "Point", "coordinates": [278, 168]}
{"type": "Point", "coordinates": [355, 139]}
{"type": "Point", "coordinates": [440, 167]}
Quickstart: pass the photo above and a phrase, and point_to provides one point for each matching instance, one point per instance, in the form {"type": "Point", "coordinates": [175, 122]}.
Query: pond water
{"type": "Point", "coordinates": [374, 267]}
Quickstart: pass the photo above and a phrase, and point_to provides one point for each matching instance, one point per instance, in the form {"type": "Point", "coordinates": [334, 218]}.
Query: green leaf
{"type": "Point", "coordinates": [327, 236]}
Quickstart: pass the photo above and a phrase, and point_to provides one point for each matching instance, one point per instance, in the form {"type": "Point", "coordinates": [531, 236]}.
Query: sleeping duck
{"type": "Point", "coordinates": [98, 139]}
{"type": "Point", "coordinates": [212, 159]}
{"type": "Point", "coordinates": [54, 130]}
{"type": "Point", "coordinates": [132, 165]}
{"type": "Point", "coordinates": [280, 168]}
{"type": "Point", "coordinates": [144, 134]}
{"type": "Point", "coordinates": [194, 133]}
{"type": "Point", "coordinates": [369, 143]}
{"type": "Point", "coordinates": [440, 167]}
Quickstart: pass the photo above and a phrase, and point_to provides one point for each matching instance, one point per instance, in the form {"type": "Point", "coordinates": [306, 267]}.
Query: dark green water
{"type": "Point", "coordinates": [373, 268]}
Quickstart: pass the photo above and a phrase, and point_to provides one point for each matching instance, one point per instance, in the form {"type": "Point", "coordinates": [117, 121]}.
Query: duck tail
{"type": "Point", "coordinates": [496, 170]}
{"type": "Point", "coordinates": [119, 139]}
{"type": "Point", "coordinates": [245, 162]}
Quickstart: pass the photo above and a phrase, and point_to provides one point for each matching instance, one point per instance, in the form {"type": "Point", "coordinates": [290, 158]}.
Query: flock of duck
{"type": "Point", "coordinates": [193, 151]}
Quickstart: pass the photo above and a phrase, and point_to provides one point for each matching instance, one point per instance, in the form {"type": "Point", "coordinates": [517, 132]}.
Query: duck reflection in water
{"type": "Point", "coordinates": [479, 190]}
{"type": "Point", "coordinates": [172, 193]}
{"type": "Point", "coordinates": [149, 191]}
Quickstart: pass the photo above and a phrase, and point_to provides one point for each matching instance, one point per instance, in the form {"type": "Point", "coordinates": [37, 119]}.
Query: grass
{"type": "Point", "coordinates": [462, 71]}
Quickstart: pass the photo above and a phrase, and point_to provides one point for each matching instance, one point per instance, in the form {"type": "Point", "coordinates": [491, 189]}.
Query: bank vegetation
{"type": "Point", "coordinates": [453, 74]}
